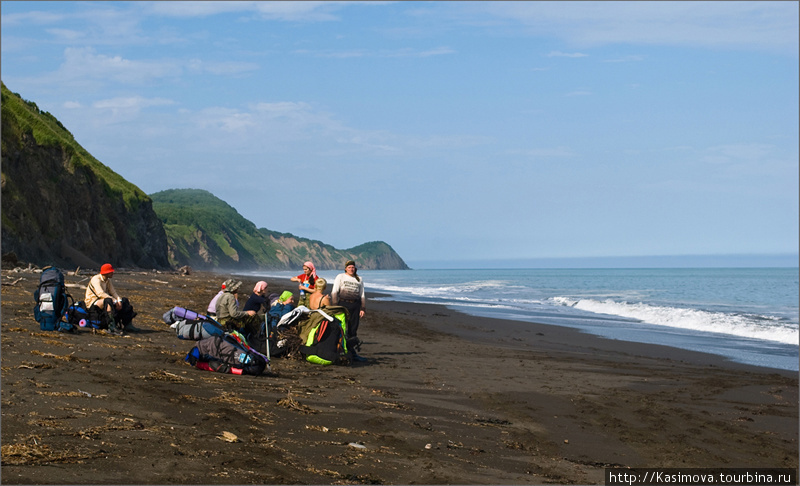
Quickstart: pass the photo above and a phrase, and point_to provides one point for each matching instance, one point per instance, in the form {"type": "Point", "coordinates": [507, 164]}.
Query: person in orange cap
{"type": "Point", "coordinates": [102, 300]}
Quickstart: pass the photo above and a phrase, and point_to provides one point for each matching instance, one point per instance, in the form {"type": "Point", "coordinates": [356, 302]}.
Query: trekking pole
{"type": "Point", "coordinates": [266, 328]}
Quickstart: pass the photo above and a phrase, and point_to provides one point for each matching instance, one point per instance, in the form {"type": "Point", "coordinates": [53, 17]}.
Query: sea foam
{"type": "Point", "coordinates": [742, 325]}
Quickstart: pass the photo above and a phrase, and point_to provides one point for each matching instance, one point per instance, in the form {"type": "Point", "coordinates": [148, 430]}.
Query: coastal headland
{"type": "Point", "coordinates": [444, 398]}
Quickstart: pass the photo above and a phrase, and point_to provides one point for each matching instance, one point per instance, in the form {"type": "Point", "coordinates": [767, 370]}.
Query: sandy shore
{"type": "Point", "coordinates": [445, 398]}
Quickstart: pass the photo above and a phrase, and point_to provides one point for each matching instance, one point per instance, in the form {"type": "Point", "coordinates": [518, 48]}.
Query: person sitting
{"type": "Point", "coordinates": [282, 306]}
{"type": "Point", "coordinates": [258, 300]}
{"type": "Point", "coordinates": [103, 301]}
{"type": "Point", "coordinates": [212, 306]}
{"type": "Point", "coordinates": [231, 317]}
{"type": "Point", "coordinates": [318, 299]}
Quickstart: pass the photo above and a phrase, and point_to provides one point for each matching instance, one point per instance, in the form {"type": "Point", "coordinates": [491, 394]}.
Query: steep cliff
{"type": "Point", "coordinates": [62, 206]}
{"type": "Point", "coordinates": [204, 232]}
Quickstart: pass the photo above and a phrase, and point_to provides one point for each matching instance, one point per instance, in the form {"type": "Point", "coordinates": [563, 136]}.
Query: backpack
{"type": "Point", "coordinates": [77, 315]}
{"type": "Point", "coordinates": [52, 301]}
{"type": "Point", "coordinates": [266, 341]}
{"type": "Point", "coordinates": [192, 326]}
{"type": "Point", "coordinates": [226, 354]}
{"type": "Point", "coordinates": [324, 334]}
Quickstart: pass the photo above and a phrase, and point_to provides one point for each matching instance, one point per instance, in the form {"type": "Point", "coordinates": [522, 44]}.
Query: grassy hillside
{"type": "Point", "coordinates": [205, 232]}
{"type": "Point", "coordinates": [48, 131]}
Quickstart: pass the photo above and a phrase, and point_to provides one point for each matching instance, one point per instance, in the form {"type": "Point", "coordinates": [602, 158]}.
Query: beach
{"type": "Point", "coordinates": [445, 398]}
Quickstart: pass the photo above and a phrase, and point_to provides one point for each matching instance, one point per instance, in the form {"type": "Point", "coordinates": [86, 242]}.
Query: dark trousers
{"type": "Point", "coordinates": [353, 311]}
{"type": "Point", "coordinates": [120, 318]}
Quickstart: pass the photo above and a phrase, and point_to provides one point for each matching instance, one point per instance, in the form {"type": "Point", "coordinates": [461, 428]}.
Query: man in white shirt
{"type": "Point", "coordinates": [348, 292]}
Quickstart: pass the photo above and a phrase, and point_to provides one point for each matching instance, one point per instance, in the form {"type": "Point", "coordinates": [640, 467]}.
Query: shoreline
{"type": "Point", "coordinates": [445, 398]}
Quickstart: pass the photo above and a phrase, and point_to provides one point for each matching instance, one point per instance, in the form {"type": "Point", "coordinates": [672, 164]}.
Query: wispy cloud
{"type": "Point", "coordinates": [285, 11]}
{"type": "Point", "coordinates": [545, 152]}
{"type": "Point", "coordinates": [131, 103]}
{"type": "Point", "coordinates": [387, 53]}
{"type": "Point", "coordinates": [578, 93]}
{"type": "Point", "coordinates": [632, 58]}
{"type": "Point", "coordinates": [750, 25]}
{"type": "Point", "coordinates": [566, 54]}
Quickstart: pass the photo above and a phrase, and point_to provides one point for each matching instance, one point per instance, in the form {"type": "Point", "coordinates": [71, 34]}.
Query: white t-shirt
{"type": "Point", "coordinates": [349, 288]}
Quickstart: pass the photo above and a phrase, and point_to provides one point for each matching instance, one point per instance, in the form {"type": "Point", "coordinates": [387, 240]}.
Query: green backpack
{"type": "Point", "coordinates": [324, 336]}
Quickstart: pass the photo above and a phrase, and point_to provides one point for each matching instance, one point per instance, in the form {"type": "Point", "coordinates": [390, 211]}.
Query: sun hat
{"type": "Point", "coordinates": [106, 269]}
{"type": "Point", "coordinates": [234, 287]}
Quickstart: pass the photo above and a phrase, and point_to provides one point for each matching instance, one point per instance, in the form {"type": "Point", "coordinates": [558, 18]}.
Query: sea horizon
{"type": "Point", "coordinates": [734, 260]}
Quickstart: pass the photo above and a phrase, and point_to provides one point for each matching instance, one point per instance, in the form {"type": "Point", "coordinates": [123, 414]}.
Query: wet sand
{"type": "Point", "coordinates": [445, 398]}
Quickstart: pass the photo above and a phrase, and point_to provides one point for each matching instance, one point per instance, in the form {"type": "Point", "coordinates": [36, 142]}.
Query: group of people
{"type": "Point", "coordinates": [103, 300]}
{"type": "Point", "coordinates": [348, 292]}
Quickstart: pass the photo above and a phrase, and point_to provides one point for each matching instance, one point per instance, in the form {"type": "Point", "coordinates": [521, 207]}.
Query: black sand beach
{"type": "Point", "coordinates": [445, 398]}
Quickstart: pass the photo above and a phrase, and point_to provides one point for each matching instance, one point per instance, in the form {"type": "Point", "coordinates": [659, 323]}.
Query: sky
{"type": "Point", "coordinates": [454, 131]}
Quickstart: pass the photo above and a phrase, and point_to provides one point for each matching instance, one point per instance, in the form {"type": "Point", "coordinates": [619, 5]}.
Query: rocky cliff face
{"type": "Point", "coordinates": [58, 208]}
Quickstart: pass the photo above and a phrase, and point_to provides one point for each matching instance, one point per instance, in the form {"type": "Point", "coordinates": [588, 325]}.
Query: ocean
{"type": "Point", "coordinates": [749, 315]}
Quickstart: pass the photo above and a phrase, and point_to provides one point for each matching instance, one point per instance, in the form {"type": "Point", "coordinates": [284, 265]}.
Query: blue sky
{"type": "Point", "coordinates": [451, 130]}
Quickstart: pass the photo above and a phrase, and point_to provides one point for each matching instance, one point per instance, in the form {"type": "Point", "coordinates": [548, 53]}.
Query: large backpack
{"type": "Point", "coordinates": [52, 301]}
{"type": "Point", "coordinates": [324, 335]}
{"type": "Point", "coordinates": [266, 341]}
{"type": "Point", "coordinates": [192, 326]}
{"type": "Point", "coordinates": [226, 354]}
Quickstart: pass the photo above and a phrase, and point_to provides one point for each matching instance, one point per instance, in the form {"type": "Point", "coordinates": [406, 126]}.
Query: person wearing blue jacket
{"type": "Point", "coordinates": [282, 306]}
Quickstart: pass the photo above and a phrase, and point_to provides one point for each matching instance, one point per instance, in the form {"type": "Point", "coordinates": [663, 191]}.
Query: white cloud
{"type": "Point", "coordinates": [66, 35]}
{"type": "Point", "coordinates": [131, 103]}
{"type": "Point", "coordinates": [738, 152]}
{"type": "Point", "coordinates": [83, 63]}
{"type": "Point", "coordinates": [633, 58]}
{"type": "Point", "coordinates": [282, 10]}
{"type": "Point", "coordinates": [545, 153]}
{"type": "Point", "coordinates": [750, 25]}
{"type": "Point", "coordinates": [394, 53]}
{"type": "Point", "coordinates": [578, 93]}
{"type": "Point", "coordinates": [565, 54]}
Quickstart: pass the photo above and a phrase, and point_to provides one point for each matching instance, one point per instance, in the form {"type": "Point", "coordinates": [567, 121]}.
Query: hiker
{"type": "Point", "coordinates": [229, 315]}
{"type": "Point", "coordinates": [282, 306]}
{"type": "Point", "coordinates": [103, 301]}
{"type": "Point", "coordinates": [318, 299]}
{"type": "Point", "coordinates": [307, 280]}
{"type": "Point", "coordinates": [212, 306]}
{"type": "Point", "coordinates": [348, 292]}
{"type": "Point", "coordinates": [258, 300]}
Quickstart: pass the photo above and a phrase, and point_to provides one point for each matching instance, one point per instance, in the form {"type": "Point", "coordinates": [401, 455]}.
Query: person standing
{"type": "Point", "coordinates": [102, 300]}
{"type": "Point", "coordinates": [307, 281]}
{"type": "Point", "coordinates": [348, 292]}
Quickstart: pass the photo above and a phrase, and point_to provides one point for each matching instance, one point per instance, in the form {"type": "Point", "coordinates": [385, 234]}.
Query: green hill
{"type": "Point", "coordinates": [205, 232]}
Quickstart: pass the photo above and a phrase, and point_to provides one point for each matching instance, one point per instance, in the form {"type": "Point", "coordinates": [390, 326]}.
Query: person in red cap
{"type": "Point", "coordinates": [103, 300]}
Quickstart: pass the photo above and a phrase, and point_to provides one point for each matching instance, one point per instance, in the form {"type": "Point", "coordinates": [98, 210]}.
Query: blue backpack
{"type": "Point", "coordinates": [52, 301]}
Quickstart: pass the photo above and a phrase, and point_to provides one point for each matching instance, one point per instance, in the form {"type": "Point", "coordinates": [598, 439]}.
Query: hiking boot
{"type": "Point", "coordinates": [131, 328]}
{"type": "Point", "coordinates": [359, 359]}
{"type": "Point", "coordinates": [115, 331]}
